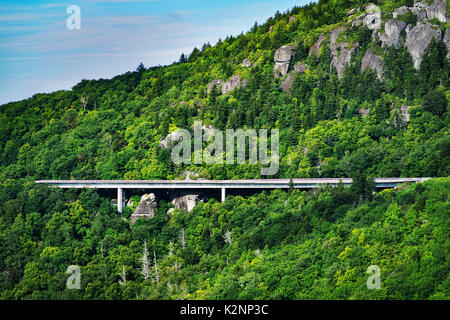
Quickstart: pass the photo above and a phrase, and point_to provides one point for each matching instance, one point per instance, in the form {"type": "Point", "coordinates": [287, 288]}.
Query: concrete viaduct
{"type": "Point", "coordinates": [223, 185]}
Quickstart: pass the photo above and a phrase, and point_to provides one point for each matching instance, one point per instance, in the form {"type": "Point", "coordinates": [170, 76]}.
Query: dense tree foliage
{"type": "Point", "coordinates": [278, 245]}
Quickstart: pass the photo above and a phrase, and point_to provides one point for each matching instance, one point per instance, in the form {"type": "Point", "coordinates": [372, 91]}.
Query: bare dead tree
{"type": "Point", "coordinates": [123, 276]}
{"type": "Point", "coordinates": [182, 239]}
{"type": "Point", "coordinates": [156, 268]}
{"type": "Point", "coordinates": [145, 268]}
{"type": "Point", "coordinates": [84, 100]}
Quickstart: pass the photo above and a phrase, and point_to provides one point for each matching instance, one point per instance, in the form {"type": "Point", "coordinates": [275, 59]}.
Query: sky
{"type": "Point", "coordinates": [39, 53]}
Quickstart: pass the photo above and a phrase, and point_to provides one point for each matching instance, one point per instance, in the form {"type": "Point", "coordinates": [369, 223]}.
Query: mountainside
{"type": "Point", "coordinates": [356, 89]}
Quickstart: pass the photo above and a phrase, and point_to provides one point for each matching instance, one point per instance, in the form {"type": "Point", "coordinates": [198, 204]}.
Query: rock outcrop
{"type": "Point", "coordinates": [364, 112]}
{"type": "Point", "coordinates": [334, 34]}
{"type": "Point", "coordinates": [392, 36]}
{"type": "Point", "coordinates": [287, 83]}
{"type": "Point", "coordinates": [185, 201]}
{"type": "Point", "coordinates": [404, 113]}
{"type": "Point", "coordinates": [214, 83]}
{"type": "Point", "coordinates": [418, 40]}
{"type": "Point", "coordinates": [419, 11]}
{"type": "Point", "coordinates": [372, 61]}
{"type": "Point", "coordinates": [344, 58]}
{"type": "Point", "coordinates": [300, 67]}
{"type": "Point", "coordinates": [372, 19]}
{"type": "Point", "coordinates": [400, 12]}
{"type": "Point", "coordinates": [352, 11]}
{"type": "Point", "coordinates": [246, 63]}
{"type": "Point", "coordinates": [447, 41]}
{"type": "Point", "coordinates": [170, 139]}
{"type": "Point", "coordinates": [145, 208]}
{"type": "Point", "coordinates": [282, 60]}
{"type": "Point", "coordinates": [233, 83]}
{"type": "Point", "coordinates": [341, 53]}
{"type": "Point", "coordinates": [315, 49]}
{"type": "Point", "coordinates": [437, 10]}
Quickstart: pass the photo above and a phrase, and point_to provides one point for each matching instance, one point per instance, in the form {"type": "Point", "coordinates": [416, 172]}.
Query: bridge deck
{"type": "Point", "coordinates": [120, 185]}
{"type": "Point", "coordinates": [219, 184]}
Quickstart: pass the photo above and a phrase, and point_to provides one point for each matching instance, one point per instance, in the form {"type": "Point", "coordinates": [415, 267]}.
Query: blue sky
{"type": "Point", "coordinates": [39, 54]}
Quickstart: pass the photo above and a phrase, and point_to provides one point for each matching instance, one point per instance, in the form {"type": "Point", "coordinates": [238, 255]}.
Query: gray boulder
{"type": "Point", "coordinates": [214, 83]}
{"type": "Point", "coordinates": [334, 34]}
{"type": "Point", "coordinates": [282, 60]}
{"type": "Point", "coordinates": [364, 112]}
{"type": "Point", "coordinates": [344, 58]}
{"type": "Point", "coordinates": [233, 83]}
{"type": "Point", "coordinates": [315, 49]}
{"type": "Point", "coordinates": [437, 10]}
{"type": "Point", "coordinates": [170, 139]}
{"type": "Point", "coordinates": [341, 54]}
{"type": "Point", "coordinates": [419, 11]}
{"type": "Point", "coordinates": [372, 20]}
{"type": "Point", "coordinates": [300, 67]}
{"type": "Point", "coordinates": [400, 12]}
{"type": "Point", "coordinates": [404, 113]}
{"type": "Point", "coordinates": [352, 11]}
{"type": "Point", "coordinates": [418, 40]}
{"type": "Point", "coordinates": [447, 41]}
{"type": "Point", "coordinates": [372, 61]}
{"type": "Point", "coordinates": [246, 63]}
{"type": "Point", "coordinates": [392, 35]}
{"type": "Point", "coordinates": [185, 201]}
{"type": "Point", "coordinates": [287, 83]}
{"type": "Point", "coordinates": [145, 208]}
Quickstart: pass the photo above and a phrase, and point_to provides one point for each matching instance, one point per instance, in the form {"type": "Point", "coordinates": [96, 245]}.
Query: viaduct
{"type": "Point", "coordinates": [223, 185]}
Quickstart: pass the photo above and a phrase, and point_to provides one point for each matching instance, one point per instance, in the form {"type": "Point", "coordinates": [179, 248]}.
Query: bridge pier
{"type": "Point", "coordinates": [120, 200]}
{"type": "Point", "coordinates": [223, 194]}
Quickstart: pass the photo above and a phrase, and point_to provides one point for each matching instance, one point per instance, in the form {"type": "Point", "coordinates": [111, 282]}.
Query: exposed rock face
{"type": "Point", "coordinates": [392, 35]}
{"type": "Point", "coordinates": [185, 201]}
{"type": "Point", "coordinates": [315, 49]}
{"type": "Point", "coordinates": [189, 174]}
{"type": "Point", "coordinates": [418, 40]}
{"type": "Point", "coordinates": [404, 113]}
{"type": "Point", "coordinates": [233, 83]}
{"type": "Point", "coordinates": [145, 208]}
{"type": "Point", "coordinates": [447, 41]}
{"type": "Point", "coordinates": [300, 67]}
{"type": "Point", "coordinates": [364, 112]}
{"type": "Point", "coordinates": [372, 61]}
{"type": "Point", "coordinates": [419, 11]}
{"type": "Point", "coordinates": [214, 83]}
{"type": "Point", "coordinates": [334, 34]}
{"type": "Point", "coordinates": [373, 18]}
{"type": "Point", "coordinates": [292, 19]}
{"type": "Point", "coordinates": [246, 63]}
{"type": "Point", "coordinates": [352, 11]}
{"type": "Point", "coordinates": [344, 58]}
{"type": "Point", "coordinates": [170, 139]}
{"type": "Point", "coordinates": [437, 10]}
{"type": "Point", "coordinates": [287, 83]}
{"type": "Point", "coordinates": [282, 59]}
{"type": "Point", "coordinates": [400, 12]}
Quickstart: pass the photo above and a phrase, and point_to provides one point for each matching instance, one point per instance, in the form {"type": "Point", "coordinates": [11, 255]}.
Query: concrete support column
{"type": "Point", "coordinates": [120, 200]}
{"type": "Point", "coordinates": [223, 194]}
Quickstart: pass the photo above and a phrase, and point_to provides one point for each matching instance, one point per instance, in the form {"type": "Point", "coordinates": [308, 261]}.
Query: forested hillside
{"type": "Point", "coordinates": [355, 90]}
